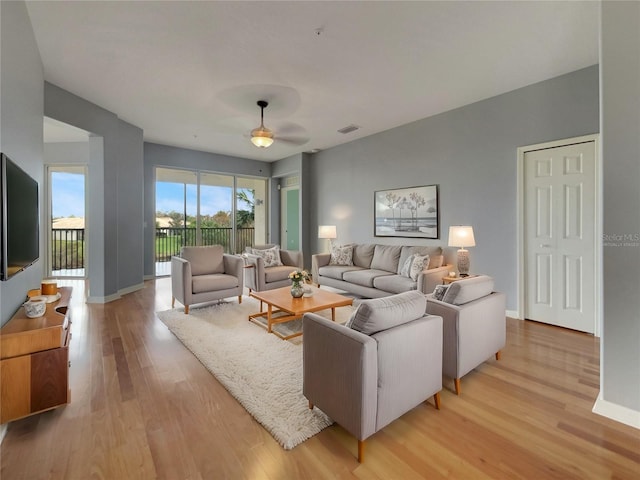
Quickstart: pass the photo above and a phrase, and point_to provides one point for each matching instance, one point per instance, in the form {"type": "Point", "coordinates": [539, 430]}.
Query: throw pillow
{"type": "Point", "coordinates": [419, 263]}
{"type": "Point", "coordinates": [439, 291]}
{"type": "Point", "coordinates": [349, 322]}
{"type": "Point", "coordinates": [406, 268]}
{"type": "Point", "coordinates": [341, 255]}
{"type": "Point", "coordinates": [270, 256]}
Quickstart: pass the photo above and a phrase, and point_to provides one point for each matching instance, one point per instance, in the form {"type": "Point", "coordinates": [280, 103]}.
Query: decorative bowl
{"type": "Point", "coordinates": [35, 307]}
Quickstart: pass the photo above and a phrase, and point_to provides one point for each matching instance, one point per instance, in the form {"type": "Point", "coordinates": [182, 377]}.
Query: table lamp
{"type": "Point", "coordinates": [327, 231]}
{"type": "Point", "coordinates": [462, 236]}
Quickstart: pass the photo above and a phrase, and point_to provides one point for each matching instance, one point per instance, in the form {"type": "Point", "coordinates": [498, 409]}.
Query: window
{"type": "Point", "coordinates": [204, 208]}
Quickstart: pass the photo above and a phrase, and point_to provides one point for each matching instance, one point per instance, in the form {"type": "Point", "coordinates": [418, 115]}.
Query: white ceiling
{"type": "Point", "coordinates": [189, 73]}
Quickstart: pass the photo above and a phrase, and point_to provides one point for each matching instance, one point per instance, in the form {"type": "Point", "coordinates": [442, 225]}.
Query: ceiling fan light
{"type": "Point", "coordinates": [262, 137]}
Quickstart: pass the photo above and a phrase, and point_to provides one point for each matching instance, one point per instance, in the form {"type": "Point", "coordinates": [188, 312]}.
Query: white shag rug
{"type": "Point", "coordinates": [263, 372]}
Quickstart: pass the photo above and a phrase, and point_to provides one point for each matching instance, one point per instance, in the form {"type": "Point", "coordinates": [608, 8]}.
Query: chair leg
{"type": "Point", "coordinates": [239, 298]}
{"type": "Point", "coordinates": [436, 400]}
{"type": "Point", "coordinates": [498, 355]}
{"type": "Point", "coordinates": [456, 381]}
{"type": "Point", "coordinates": [360, 451]}
{"type": "Point", "coordinates": [173, 302]}
{"type": "Point", "coordinates": [186, 309]}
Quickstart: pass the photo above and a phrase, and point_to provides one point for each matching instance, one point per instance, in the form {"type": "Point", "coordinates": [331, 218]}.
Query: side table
{"type": "Point", "coordinates": [447, 280]}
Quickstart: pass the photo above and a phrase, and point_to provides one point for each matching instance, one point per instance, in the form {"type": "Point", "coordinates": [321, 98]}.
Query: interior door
{"type": "Point", "coordinates": [290, 218]}
{"type": "Point", "coordinates": [560, 236]}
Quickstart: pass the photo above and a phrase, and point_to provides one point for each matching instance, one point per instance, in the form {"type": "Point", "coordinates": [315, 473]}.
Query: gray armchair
{"type": "Point", "coordinates": [205, 274]}
{"type": "Point", "coordinates": [474, 325]}
{"type": "Point", "coordinates": [387, 363]}
{"type": "Point", "coordinates": [259, 277]}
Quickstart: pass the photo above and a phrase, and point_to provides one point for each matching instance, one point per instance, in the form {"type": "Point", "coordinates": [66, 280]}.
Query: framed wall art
{"type": "Point", "coordinates": [407, 212]}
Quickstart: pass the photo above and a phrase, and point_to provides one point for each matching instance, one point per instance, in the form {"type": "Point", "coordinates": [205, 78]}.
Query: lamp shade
{"type": "Point", "coordinates": [461, 236]}
{"type": "Point", "coordinates": [262, 137]}
{"type": "Point", "coordinates": [327, 231]}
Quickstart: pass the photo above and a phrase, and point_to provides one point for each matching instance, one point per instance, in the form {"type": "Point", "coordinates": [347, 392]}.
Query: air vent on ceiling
{"type": "Point", "coordinates": [349, 128]}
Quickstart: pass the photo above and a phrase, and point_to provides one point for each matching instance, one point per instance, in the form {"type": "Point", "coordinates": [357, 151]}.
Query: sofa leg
{"type": "Point", "coordinates": [498, 355]}
{"type": "Point", "coordinates": [173, 302]}
{"type": "Point", "coordinates": [239, 298]}
{"type": "Point", "coordinates": [360, 451]}
{"type": "Point", "coordinates": [310, 405]}
{"type": "Point", "coordinates": [186, 309]}
{"type": "Point", "coordinates": [436, 400]}
{"type": "Point", "coordinates": [456, 381]}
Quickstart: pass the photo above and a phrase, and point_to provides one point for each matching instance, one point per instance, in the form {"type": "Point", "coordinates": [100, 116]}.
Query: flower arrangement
{"type": "Point", "coordinates": [297, 276]}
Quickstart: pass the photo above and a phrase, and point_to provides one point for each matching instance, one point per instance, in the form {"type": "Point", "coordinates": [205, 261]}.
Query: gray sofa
{"type": "Point", "coordinates": [375, 270]}
{"type": "Point", "coordinates": [474, 324]}
{"type": "Point", "coordinates": [386, 362]}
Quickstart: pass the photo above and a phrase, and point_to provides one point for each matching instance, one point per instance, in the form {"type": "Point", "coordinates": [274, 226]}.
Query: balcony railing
{"type": "Point", "coordinates": [169, 240]}
{"type": "Point", "coordinates": [68, 244]}
{"type": "Point", "coordinates": [67, 249]}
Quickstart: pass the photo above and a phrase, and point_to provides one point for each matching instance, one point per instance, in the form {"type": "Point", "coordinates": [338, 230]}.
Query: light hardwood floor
{"type": "Point", "coordinates": [143, 407]}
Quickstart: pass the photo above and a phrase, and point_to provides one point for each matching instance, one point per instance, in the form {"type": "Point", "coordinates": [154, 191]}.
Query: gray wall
{"type": "Point", "coordinates": [620, 96]}
{"type": "Point", "coordinates": [115, 200]}
{"type": "Point", "coordinates": [66, 153]}
{"type": "Point", "coordinates": [470, 153]}
{"type": "Point", "coordinates": [130, 196]}
{"type": "Point", "coordinates": [21, 95]}
{"type": "Point", "coordinates": [156, 155]}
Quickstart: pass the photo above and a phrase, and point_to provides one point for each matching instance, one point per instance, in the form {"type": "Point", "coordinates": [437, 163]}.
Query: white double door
{"type": "Point", "coordinates": [559, 234]}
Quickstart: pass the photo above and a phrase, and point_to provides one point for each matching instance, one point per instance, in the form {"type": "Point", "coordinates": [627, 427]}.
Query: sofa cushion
{"type": "Point", "coordinates": [204, 260]}
{"type": "Point", "coordinates": [386, 257]}
{"type": "Point", "coordinates": [394, 283]}
{"type": "Point", "coordinates": [270, 256]}
{"type": "Point", "coordinates": [363, 277]}
{"type": "Point", "coordinates": [468, 290]}
{"type": "Point", "coordinates": [380, 314]}
{"type": "Point", "coordinates": [407, 251]}
{"type": "Point", "coordinates": [275, 274]}
{"type": "Point", "coordinates": [363, 254]}
{"type": "Point", "coordinates": [336, 271]}
{"type": "Point", "coordinates": [212, 283]}
{"type": "Point", "coordinates": [341, 255]}
{"type": "Point", "coordinates": [436, 261]}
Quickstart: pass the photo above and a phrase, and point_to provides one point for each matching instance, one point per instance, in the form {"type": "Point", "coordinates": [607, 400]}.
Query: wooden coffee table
{"type": "Point", "coordinates": [280, 300]}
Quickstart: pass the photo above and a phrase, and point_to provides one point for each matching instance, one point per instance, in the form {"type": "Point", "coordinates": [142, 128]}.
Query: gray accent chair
{"type": "Point", "coordinates": [205, 274]}
{"type": "Point", "coordinates": [387, 363]}
{"type": "Point", "coordinates": [261, 278]}
{"type": "Point", "coordinates": [474, 325]}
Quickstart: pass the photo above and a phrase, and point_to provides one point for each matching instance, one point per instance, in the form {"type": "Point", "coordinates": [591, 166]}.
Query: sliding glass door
{"type": "Point", "coordinates": [204, 208]}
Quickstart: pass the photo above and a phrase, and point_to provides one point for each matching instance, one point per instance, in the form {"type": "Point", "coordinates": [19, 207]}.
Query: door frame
{"type": "Point", "coordinates": [49, 169]}
{"type": "Point", "coordinates": [521, 255]}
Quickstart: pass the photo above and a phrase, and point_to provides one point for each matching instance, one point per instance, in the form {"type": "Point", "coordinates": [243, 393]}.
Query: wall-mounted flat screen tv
{"type": "Point", "coordinates": [20, 219]}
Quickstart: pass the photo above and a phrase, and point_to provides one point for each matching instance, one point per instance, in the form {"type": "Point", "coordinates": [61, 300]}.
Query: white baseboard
{"type": "Point", "coordinates": [116, 296]}
{"type": "Point", "coordinates": [131, 289]}
{"type": "Point", "coordinates": [106, 299]}
{"type": "Point", "coordinates": [616, 412]}
{"type": "Point", "coordinates": [513, 314]}
{"type": "Point", "coordinates": [3, 431]}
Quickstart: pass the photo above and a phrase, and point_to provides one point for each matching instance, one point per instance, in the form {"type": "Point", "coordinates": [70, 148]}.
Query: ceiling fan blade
{"type": "Point", "coordinates": [291, 140]}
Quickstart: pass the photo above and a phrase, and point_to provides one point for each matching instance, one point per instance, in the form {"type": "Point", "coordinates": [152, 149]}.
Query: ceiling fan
{"type": "Point", "coordinates": [264, 137]}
